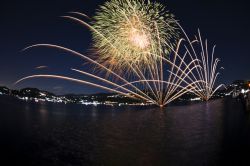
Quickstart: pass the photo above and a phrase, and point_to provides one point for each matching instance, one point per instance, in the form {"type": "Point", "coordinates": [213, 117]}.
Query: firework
{"type": "Point", "coordinates": [207, 73]}
{"type": "Point", "coordinates": [133, 31]}
{"type": "Point", "coordinates": [158, 91]}
{"type": "Point", "coordinates": [136, 43]}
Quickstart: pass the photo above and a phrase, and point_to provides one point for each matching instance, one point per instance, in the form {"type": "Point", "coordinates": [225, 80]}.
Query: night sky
{"type": "Point", "coordinates": [225, 23]}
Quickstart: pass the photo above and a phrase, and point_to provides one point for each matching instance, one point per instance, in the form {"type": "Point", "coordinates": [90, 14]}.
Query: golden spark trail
{"type": "Point", "coordinates": [79, 81]}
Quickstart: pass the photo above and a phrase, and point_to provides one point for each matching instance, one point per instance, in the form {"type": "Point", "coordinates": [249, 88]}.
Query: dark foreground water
{"type": "Point", "coordinates": [213, 133]}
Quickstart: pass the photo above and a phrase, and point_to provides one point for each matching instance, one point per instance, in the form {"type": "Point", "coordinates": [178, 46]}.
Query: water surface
{"type": "Point", "coordinates": [212, 133]}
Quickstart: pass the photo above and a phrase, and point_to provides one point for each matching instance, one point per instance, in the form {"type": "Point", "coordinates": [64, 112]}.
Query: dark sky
{"type": "Point", "coordinates": [225, 23]}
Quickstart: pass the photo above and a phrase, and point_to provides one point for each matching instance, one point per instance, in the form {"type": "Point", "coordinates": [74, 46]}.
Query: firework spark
{"type": "Point", "coordinates": [41, 67]}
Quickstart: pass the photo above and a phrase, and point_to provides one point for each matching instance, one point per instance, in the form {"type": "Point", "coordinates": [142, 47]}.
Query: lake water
{"type": "Point", "coordinates": [202, 134]}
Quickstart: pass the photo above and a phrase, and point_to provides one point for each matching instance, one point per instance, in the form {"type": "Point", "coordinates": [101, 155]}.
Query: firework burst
{"type": "Point", "coordinates": [133, 31]}
{"type": "Point", "coordinates": [209, 72]}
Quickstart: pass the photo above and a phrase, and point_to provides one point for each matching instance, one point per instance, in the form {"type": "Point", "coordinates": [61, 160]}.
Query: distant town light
{"type": "Point", "coordinates": [195, 99]}
{"type": "Point", "coordinates": [243, 91]}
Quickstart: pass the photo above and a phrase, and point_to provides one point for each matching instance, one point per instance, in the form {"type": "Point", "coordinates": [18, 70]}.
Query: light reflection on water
{"type": "Point", "coordinates": [212, 133]}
